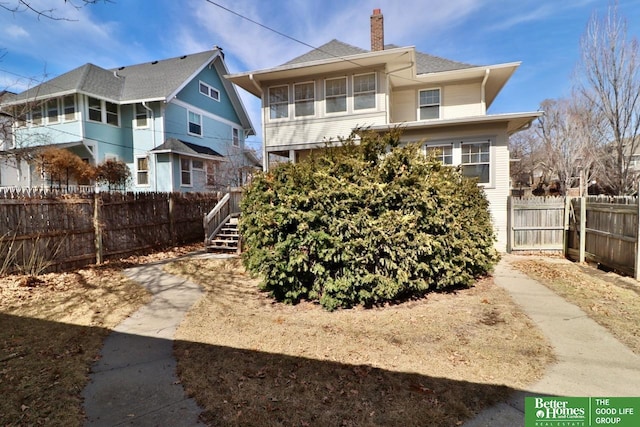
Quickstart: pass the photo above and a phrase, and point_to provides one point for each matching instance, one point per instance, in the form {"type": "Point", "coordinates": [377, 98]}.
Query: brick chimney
{"type": "Point", "coordinates": [377, 31]}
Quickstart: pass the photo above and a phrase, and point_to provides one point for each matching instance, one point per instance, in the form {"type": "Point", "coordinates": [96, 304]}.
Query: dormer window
{"type": "Point", "coordinates": [364, 91]}
{"type": "Point", "coordinates": [429, 104]}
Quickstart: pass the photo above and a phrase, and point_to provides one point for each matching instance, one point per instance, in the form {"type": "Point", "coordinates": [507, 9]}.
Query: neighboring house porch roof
{"type": "Point", "coordinates": [176, 146]}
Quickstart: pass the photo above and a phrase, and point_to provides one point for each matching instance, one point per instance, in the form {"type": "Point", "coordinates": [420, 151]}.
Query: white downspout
{"type": "Point", "coordinates": [153, 139]}
{"type": "Point", "coordinates": [483, 91]}
{"type": "Point", "coordinates": [265, 156]}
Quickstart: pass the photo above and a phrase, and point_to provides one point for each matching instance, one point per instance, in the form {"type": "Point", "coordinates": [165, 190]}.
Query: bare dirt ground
{"type": "Point", "coordinates": [51, 330]}
{"type": "Point", "coordinates": [611, 300]}
{"type": "Point", "coordinates": [436, 361]}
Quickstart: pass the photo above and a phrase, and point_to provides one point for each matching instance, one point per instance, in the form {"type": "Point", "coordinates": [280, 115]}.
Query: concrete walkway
{"type": "Point", "coordinates": [590, 362]}
{"type": "Point", "coordinates": [135, 382]}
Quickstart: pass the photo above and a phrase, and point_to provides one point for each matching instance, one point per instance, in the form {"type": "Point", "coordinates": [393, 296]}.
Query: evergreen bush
{"type": "Point", "coordinates": [365, 223]}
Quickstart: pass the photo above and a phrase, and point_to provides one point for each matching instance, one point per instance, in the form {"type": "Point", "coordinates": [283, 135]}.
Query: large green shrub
{"type": "Point", "coordinates": [364, 224]}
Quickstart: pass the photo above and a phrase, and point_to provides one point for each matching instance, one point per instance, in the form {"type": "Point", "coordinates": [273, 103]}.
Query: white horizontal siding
{"type": "Point", "coordinates": [462, 100]}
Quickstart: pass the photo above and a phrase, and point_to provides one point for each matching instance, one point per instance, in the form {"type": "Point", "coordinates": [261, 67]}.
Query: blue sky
{"type": "Point", "coordinates": [543, 34]}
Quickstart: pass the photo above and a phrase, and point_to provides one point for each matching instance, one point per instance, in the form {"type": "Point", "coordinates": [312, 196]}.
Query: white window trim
{"type": "Point", "coordinates": [190, 184]}
{"type": "Point", "coordinates": [103, 112]}
{"type": "Point", "coordinates": [209, 89]}
{"type": "Point", "coordinates": [138, 171]}
{"type": "Point", "coordinates": [135, 117]}
{"type": "Point", "coordinates": [288, 103]}
{"type": "Point", "coordinates": [46, 111]}
{"type": "Point", "coordinates": [430, 105]}
{"type": "Point", "coordinates": [492, 166]}
{"type": "Point", "coordinates": [375, 91]}
{"type": "Point", "coordinates": [346, 96]}
{"type": "Point", "coordinates": [75, 108]}
{"type": "Point", "coordinates": [235, 137]}
{"type": "Point", "coordinates": [201, 134]}
{"type": "Point", "coordinates": [428, 147]}
{"type": "Point", "coordinates": [313, 100]}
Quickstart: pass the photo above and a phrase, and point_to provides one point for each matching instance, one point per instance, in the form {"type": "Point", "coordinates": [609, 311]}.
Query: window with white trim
{"type": "Point", "coordinates": [304, 99]}
{"type": "Point", "coordinates": [185, 171]}
{"type": "Point", "coordinates": [209, 91]}
{"type": "Point", "coordinates": [142, 174]}
{"type": "Point", "coordinates": [476, 160]}
{"type": "Point", "coordinates": [36, 115]}
{"type": "Point", "coordinates": [95, 109]}
{"type": "Point", "coordinates": [235, 137]}
{"type": "Point", "coordinates": [364, 91]}
{"type": "Point", "coordinates": [195, 123]}
{"type": "Point", "coordinates": [52, 109]}
{"type": "Point", "coordinates": [112, 113]}
{"type": "Point", "coordinates": [335, 97]}
{"type": "Point", "coordinates": [211, 171]}
{"type": "Point", "coordinates": [443, 153]}
{"type": "Point", "coordinates": [429, 104]}
{"type": "Point", "coordinates": [103, 111]}
{"type": "Point", "coordinates": [69, 107]}
{"type": "Point", "coordinates": [142, 116]}
{"type": "Point", "coordinates": [279, 102]}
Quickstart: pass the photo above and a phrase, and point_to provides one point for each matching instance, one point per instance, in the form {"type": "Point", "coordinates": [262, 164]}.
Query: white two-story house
{"type": "Point", "coordinates": [330, 91]}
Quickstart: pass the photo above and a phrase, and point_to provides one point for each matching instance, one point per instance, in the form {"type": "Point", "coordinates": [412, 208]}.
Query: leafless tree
{"type": "Point", "coordinates": [19, 6]}
{"type": "Point", "coordinates": [609, 80]}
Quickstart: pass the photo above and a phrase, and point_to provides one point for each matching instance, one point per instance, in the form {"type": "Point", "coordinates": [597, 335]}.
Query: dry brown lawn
{"type": "Point", "coordinates": [609, 299]}
{"type": "Point", "coordinates": [51, 331]}
{"type": "Point", "coordinates": [437, 361]}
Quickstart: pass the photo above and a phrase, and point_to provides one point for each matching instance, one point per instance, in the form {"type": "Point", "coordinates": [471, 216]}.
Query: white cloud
{"type": "Point", "coordinates": [15, 31]}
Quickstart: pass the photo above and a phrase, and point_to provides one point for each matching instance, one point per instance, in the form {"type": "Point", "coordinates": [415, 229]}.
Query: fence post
{"type": "Point", "coordinates": [172, 234]}
{"type": "Point", "coordinates": [97, 227]}
{"type": "Point", "coordinates": [583, 228]}
{"type": "Point", "coordinates": [636, 267]}
{"type": "Point", "coordinates": [567, 220]}
{"type": "Point", "coordinates": [511, 232]}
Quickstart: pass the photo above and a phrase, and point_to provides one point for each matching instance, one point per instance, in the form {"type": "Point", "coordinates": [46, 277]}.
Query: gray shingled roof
{"type": "Point", "coordinates": [150, 80]}
{"type": "Point", "coordinates": [177, 145]}
{"type": "Point", "coordinates": [425, 63]}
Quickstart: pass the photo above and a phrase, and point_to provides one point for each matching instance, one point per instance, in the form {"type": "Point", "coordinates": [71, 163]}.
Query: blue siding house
{"type": "Point", "coordinates": [177, 123]}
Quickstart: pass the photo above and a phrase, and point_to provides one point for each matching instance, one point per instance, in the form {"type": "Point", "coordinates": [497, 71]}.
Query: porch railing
{"type": "Point", "coordinates": [225, 209]}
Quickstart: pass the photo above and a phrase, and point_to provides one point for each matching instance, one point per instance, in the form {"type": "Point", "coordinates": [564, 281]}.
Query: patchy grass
{"type": "Point", "coordinates": [609, 299]}
{"type": "Point", "coordinates": [51, 330]}
{"type": "Point", "coordinates": [250, 361]}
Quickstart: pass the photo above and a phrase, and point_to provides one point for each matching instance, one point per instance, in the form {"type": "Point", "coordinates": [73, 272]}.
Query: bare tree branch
{"type": "Point", "coordinates": [20, 6]}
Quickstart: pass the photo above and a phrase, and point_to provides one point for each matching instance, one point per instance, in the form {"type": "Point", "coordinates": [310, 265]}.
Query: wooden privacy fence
{"type": "Point", "coordinates": [47, 231]}
{"type": "Point", "coordinates": [598, 229]}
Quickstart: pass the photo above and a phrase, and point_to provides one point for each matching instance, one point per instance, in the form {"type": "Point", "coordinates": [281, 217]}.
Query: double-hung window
{"type": "Point", "coordinates": [36, 115]}
{"type": "Point", "coordinates": [364, 91]}
{"type": "Point", "coordinates": [304, 99]}
{"type": "Point", "coordinates": [279, 102]}
{"type": "Point", "coordinates": [95, 109]}
{"type": "Point", "coordinates": [69, 107]}
{"type": "Point", "coordinates": [112, 113]}
{"type": "Point", "coordinates": [476, 160]}
{"type": "Point", "coordinates": [142, 116]}
{"type": "Point", "coordinates": [235, 137]}
{"type": "Point", "coordinates": [443, 153]}
{"type": "Point", "coordinates": [335, 95]}
{"type": "Point", "coordinates": [143, 170]}
{"type": "Point", "coordinates": [429, 104]}
{"type": "Point", "coordinates": [52, 110]}
{"type": "Point", "coordinates": [185, 171]}
{"type": "Point", "coordinates": [195, 123]}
